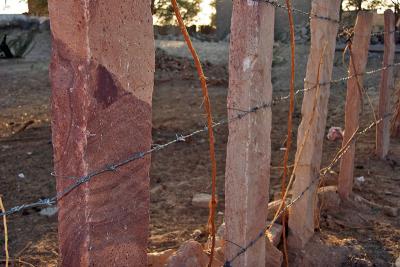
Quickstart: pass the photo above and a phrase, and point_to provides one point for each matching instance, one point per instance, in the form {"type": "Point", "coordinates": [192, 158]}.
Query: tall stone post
{"type": "Point", "coordinates": [323, 43]}
{"type": "Point", "coordinates": [361, 40]}
{"type": "Point", "coordinates": [395, 131]}
{"type": "Point", "coordinates": [387, 86]}
{"type": "Point", "coordinates": [102, 73]}
{"type": "Point", "coordinates": [249, 144]}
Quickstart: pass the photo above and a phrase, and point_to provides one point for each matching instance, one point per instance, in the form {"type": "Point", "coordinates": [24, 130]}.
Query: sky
{"type": "Point", "coordinates": [204, 17]}
{"type": "Point", "coordinates": [20, 6]}
{"type": "Point", "coordinates": [13, 7]}
{"type": "Point", "coordinates": [381, 10]}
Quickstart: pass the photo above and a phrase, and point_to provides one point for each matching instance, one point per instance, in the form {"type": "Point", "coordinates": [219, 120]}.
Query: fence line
{"type": "Point", "coordinates": [310, 15]}
{"type": "Point", "coordinates": [298, 11]}
{"type": "Point", "coordinates": [112, 167]}
{"type": "Point", "coordinates": [338, 156]}
{"type": "Point", "coordinates": [339, 80]}
{"type": "Point", "coordinates": [182, 138]}
{"type": "Point", "coordinates": [323, 173]}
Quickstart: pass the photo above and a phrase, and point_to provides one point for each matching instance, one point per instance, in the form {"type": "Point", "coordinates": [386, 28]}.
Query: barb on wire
{"type": "Point", "coordinates": [339, 80]}
{"type": "Point", "coordinates": [343, 33]}
{"type": "Point", "coordinates": [384, 32]}
{"type": "Point", "coordinates": [298, 11]}
{"type": "Point", "coordinates": [323, 173]}
{"type": "Point", "coordinates": [158, 147]}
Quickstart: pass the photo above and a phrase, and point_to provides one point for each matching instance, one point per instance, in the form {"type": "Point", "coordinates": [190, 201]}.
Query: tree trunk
{"type": "Point", "coordinates": [359, 5]}
{"type": "Point", "coordinates": [152, 7]}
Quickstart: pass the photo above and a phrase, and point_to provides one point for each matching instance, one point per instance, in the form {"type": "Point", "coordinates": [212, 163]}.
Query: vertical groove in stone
{"type": "Point", "coordinates": [102, 80]}
{"type": "Point", "coordinates": [323, 38]}
{"type": "Point", "coordinates": [360, 47]}
{"type": "Point", "coordinates": [249, 144]}
{"type": "Point", "coordinates": [386, 87]}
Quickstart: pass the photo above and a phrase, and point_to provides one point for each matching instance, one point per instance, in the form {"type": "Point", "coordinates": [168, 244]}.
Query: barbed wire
{"type": "Point", "coordinates": [342, 151]}
{"type": "Point", "coordinates": [339, 80]}
{"type": "Point", "coordinates": [43, 202]}
{"type": "Point", "coordinates": [182, 138]}
{"type": "Point", "coordinates": [343, 32]}
{"type": "Point", "coordinates": [298, 11]}
{"type": "Point", "coordinates": [323, 173]}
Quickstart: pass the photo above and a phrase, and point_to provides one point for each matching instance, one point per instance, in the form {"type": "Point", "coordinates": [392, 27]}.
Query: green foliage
{"type": "Point", "coordinates": [357, 4]}
{"type": "Point", "coordinates": [214, 14]}
{"type": "Point", "coordinates": [376, 3]}
{"type": "Point", "coordinates": [390, 3]}
{"type": "Point", "coordinates": [371, 4]}
{"type": "Point", "coordinates": [189, 9]}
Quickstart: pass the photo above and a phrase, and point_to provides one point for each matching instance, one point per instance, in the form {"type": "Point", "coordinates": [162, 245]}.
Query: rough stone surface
{"type": "Point", "coordinates": [249, 142]}
{"type": "Point", "coordinates": [159, 259]}
{"type": "Point", "coordinates": [273, 256]}
{"type": "Point", "coordinates": [362, 34]}
{"type": "Point", "coordinates": [391, 211]}
{"type": "Point", "coordinates": [317, 253]}
{"type": "Point", "coordinates": [395, 131]}
{"type": "Point", "coordinates": [386, 88]}
{"type": "Point", "coordinates": [201, 200]}
{"type": "Point", "coordinates": [397, 263]}
{"type": "Point", "coordinates": [102, 79]}
{"type": "Point", "coordinates": [312, 128]}
{"type": "Point", "coordinates": [219, 257]}
{"type": "Point", "coordinates": [275, 233]}
{"type": "Point", "coordinates": [190, 254]}
{"type": "Point", "coordinates": [328, 198]}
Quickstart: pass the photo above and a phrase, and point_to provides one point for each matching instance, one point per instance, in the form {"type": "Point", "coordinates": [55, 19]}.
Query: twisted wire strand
{"type": "Point", "coordinates": [311, 15]}
{"type": "Point", "coordinates": [158, 147]}
{"type": "Point", "coordinates": [323, 173]}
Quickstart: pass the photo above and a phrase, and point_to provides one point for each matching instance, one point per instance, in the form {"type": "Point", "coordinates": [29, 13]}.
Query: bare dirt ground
{"type": "Point", "coordinates": [370, 237]}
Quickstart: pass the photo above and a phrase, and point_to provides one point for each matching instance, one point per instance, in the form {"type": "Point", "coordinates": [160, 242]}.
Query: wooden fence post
{"type": "Point", "coordinates": [358, 62]}
{"type": "Point", "coordinates": [249, 145]}
{"type": "Point", "coordinates": [387, 86]}
{"type": "Point", "coordinates": [102, 73]}
{"type": "Point", "coordinates": [323, 44]}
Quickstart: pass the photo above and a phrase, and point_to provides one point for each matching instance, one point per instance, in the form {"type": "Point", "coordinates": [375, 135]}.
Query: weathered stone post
{"type": "Point", "coordinates": [249, 144]}
{"type": "Point", "coordinates": [358, 62]}
{"type": "Point", "coordinates": [395, 131]}
{"type": "Point", "coordinates": [323, 43]}
{"type": "Point", "coordinates": [102, 80]}
{"type": "Point", "coordinates": [387, 86]}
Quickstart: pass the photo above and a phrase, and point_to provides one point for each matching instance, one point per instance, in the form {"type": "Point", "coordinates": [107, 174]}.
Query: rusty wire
{"type": "Point", "coordinates": [207, 108]}
{"type": "Point", "coordinates": [311, 15]}
{"type": "Point", "coordinates": [290, 125]}
{"type": "Point", "coordinates": [323, 172]}
{"type": "Point", "coordinates": [112, 167]}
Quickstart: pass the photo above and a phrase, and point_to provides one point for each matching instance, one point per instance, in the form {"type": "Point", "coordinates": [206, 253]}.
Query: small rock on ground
{"type": "Point", "coordinates": [201, 200]}
{"type": "Point", "coordinates": [158, 259]}
{"type": "Point", "coordinates": [274, 234]}
{"type": "Point", "coordinates": [190, 254]}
